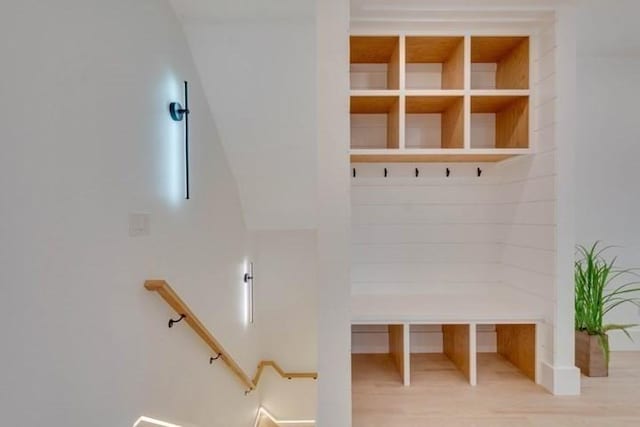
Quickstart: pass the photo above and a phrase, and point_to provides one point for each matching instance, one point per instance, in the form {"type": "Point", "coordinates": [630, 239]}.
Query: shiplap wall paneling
{"type": "Point", "coordinates": [529, 188]}
{"type": "Point", "coordinates": [425, 234]}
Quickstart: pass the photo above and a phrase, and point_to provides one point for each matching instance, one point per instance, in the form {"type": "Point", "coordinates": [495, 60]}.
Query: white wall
{"type": "Point", "coordinates": [86, 140]}
{"type": "Point", "coordinates": [334, 367]}
{"type": "Point", "coordinates": [257, 62]}
{"type": "Point", "coordinates": [607, 207]}
{"type": "Point", "coordinates": [286, 313]}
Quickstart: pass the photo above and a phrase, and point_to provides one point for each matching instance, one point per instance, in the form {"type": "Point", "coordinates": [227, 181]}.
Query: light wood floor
{"type": "Point", "coordinates": [440, 396]}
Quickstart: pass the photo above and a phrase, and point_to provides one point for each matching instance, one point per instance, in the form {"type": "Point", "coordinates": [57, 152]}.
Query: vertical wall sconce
{"type": "Point", "coordinates": [248, 280]}
{"type": "Point", "coordinates": [178, 112]}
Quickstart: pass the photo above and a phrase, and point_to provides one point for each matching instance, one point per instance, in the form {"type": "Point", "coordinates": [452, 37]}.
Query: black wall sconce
{"type": "Point", "coordinates": [248, 280]}
{"type": "Point", "coordinates": [178, 113]}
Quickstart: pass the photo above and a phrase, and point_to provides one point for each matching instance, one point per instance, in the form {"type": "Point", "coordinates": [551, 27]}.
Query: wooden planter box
{"type": "Point", "coordinates": [590, 357]}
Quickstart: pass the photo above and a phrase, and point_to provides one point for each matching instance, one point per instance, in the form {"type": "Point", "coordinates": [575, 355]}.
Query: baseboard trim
{"type": "Point", "coordinates": [561, 380]}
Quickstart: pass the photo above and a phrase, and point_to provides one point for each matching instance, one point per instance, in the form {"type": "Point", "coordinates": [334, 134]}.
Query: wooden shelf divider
{"type": "Point", "coordinates": [397, 348]}
{"type": "Point", "coordinates": [457, 347]}
{"type": "Point", "coordinates": [517, 344]}
{"type": "Point", "coordinates": [171, 297]}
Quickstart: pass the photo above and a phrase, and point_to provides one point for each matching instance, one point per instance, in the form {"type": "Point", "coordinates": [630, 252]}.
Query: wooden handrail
{"type": "Point", "coordinates": [289, 375]}
{"type": "Point", "coordinates": [169, 295]}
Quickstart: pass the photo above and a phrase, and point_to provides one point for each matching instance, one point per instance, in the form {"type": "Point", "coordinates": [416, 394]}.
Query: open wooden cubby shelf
{"type": "Point", "coordinates": [499, 63]}
{"type": "Point", "coordinates": [500, 122]}
{"type": "Point", "coordinates": [455, 347]}
{"type": "Point", "coordinates": [434, 122]}
{"type": "Point", "coordinates": [375, 121]}
{"type": "Point", "coordinates": [375, 62]}
{"type": "Point", "coordinates": [434, 63]}
{"type": "Point", "coordinates": [419, 98]}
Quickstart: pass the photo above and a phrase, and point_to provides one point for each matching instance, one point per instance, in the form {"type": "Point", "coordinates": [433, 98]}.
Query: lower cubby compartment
{"type": "Point", "coordinates": [440, 351]}
{"type": "Point", "coordinates": [434, 368]}
{"type": "Point", "coordinates": [420, 354]}
{"type": "Point", "coordinates": [513, 355]}
{"type": "Point", "coordinates": [381, 346]}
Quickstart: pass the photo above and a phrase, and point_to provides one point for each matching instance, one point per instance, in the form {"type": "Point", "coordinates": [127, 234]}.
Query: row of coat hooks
{"type": "Point", "coordinates": [417, 172]}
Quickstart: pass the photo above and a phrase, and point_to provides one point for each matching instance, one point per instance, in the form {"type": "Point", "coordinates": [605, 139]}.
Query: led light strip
{"type": "Point", "coordinates": [263, 411]}
{"type": "Point", "coordinates": [154, 421]}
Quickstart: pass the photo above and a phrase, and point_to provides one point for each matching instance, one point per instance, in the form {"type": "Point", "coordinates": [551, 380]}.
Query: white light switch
{"type": "Point", "coordinates": [139, 224]}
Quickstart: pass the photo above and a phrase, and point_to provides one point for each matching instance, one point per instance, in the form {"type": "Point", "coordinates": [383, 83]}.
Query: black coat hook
{"type": "Point", "coordinates": [479, 171]}
{"type": "Point", "coordinates": [171, 321]}
{"type": "Point", "coordinates": [211, 359]}
{"type": "Point", "coordinates": [385, 172]}
{"type": "Point", "coordinates": [417, 172]}
{"type": "Point", "coordinates": [246, 392]}
{"type": "Point", "coordinates": [448, 172]}
{"type": "Point", "coordinates": [354, 172]}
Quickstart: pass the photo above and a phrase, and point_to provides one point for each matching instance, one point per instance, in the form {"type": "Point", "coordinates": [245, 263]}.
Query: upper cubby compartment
{"type": "Point", "coordinates": [434, 62]}
{"type": "Point", "coordinates": [434, 122]}
{"type": "Point", "coordinates": [375, 122]}
{"type": "Point", "coordinates": [375, 62]}
{"type": "Point", "coordinates": [500, 122]}
{"type": "Point", "coordinates": [499, 62]}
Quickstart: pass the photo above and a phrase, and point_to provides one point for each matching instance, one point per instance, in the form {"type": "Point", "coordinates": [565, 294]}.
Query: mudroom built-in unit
{"type": "Point", "coordinates": [454, 200]}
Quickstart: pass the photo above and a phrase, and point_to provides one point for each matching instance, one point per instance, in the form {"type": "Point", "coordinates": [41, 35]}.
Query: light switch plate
{"type": "Point", "coordinates": [139, 224]}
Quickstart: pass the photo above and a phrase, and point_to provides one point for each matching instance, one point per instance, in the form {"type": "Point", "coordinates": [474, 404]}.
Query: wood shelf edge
{"type": "Point", "coordinates": [404, 157]}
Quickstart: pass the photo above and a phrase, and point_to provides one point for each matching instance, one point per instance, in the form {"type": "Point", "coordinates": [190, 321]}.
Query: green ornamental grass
{"type": "Point", "coordinates": [599, 288]}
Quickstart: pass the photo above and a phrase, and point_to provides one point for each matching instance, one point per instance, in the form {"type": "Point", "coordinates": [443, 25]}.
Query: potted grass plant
{"type": "Point", "coordinates": [600, 286]}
